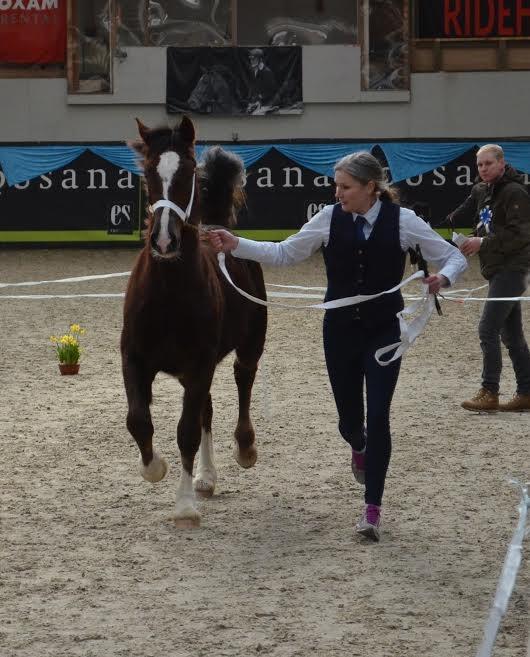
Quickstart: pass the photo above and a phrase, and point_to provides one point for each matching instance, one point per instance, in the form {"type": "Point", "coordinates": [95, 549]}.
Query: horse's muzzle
{"type": "Point", "coordinates": [166, 241]}
{"type": "Point", "coordinates": [169, 252]}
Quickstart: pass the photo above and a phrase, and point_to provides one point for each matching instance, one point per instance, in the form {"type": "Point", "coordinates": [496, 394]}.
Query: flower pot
{"type": "Point", "coordinates": [69, 368]}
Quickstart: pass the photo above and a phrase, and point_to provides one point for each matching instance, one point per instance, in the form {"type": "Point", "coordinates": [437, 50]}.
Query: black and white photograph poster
{"type": "Point", "coordinates": [250, 81]}
{"type": "Point", "coordinates": [385, 54]}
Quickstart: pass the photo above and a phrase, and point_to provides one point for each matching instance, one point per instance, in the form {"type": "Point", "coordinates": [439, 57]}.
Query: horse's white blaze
{"type": "Point", "coordinates": [167, 167]}
{"type": "Point", "coordinates": [164, 239]}
{"type": "Point", "coordinates": [206, 476]}
{"type": "Point", "coordinates": [186, 505]}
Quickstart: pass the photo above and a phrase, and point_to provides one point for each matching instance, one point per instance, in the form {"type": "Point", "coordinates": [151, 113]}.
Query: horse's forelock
{"type": "Point", "coordinates": [137, 145]}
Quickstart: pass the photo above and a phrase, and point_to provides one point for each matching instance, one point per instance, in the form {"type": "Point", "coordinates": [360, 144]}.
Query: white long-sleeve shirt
{"type": "Point", "coordinates": [315, 233]}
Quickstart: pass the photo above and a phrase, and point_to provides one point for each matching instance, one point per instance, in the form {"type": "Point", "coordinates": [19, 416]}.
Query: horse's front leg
{"type": "Point", "coordinates": [138, 387]}
{"type": "Point", "coordinates": [245, 452]}
{"type": "Point", "coordinates": [189, 439]}
{"type": "Point", "coordinates": [206, 476]}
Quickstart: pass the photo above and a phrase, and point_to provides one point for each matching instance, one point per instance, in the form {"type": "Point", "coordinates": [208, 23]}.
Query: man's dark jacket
{"type": "Point", "coordinates": [507, 245]}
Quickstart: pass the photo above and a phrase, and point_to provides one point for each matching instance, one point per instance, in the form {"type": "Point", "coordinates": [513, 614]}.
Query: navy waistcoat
{"type": "Point", "coordinates": [365, 267]}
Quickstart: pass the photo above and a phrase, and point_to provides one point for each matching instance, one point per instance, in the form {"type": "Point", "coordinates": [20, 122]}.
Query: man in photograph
{"type": "Point", "coordinates": [263, 84]}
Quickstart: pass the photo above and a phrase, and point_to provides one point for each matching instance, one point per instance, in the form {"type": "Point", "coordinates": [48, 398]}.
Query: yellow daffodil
{"type": "Point", "coordinates": [67, 346]}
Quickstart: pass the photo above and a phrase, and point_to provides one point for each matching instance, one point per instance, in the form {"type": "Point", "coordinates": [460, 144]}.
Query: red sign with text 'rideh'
{"type": "Point", "coordinates": [472, 19]}
{"type": "Point", "coordinates": [32, 31]}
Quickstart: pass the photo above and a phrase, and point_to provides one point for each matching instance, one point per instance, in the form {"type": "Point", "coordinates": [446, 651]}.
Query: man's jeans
{"type": "Point", "coordinates": [501, 320]}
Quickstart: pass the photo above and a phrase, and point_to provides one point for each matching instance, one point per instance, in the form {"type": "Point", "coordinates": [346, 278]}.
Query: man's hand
{"type": "Point", "coordinates": [435, 282]}
{"type": "Point", "coordinates": [471, 246]}
{"type": "Point", "coordinates": [222, 240]}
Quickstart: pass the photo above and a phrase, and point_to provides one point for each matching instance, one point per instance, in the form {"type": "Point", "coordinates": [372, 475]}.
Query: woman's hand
{"type": "Point", "coordinates": [222, 240]}
{"type": "Point", "coordinates": [435, 282]}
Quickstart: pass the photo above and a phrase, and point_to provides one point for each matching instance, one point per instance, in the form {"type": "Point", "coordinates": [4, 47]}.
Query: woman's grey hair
{"type": "Point", "coordinates": [364, 167]}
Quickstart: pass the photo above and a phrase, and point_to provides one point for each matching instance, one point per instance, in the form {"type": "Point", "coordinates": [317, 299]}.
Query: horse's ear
{"type": "Point", "coordinates": [142, 129]}
{"type": "Point", "coordinates": [187, 130]}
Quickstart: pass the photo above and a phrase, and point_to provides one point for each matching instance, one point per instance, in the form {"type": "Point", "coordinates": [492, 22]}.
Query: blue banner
{"type": "Point", "coordinates": [405, 159]}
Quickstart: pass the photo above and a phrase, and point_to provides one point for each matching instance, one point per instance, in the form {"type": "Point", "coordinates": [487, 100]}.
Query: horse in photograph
{"type": "Point", "coordinates": [181, 316]}
{"type": "Point", "coordinates": [216, 92]}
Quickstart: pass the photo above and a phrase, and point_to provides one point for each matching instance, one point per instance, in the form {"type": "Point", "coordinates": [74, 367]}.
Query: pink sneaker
{"type": "Point", "coordinates": [368, 525]}
{"type": "Point", "coordinates": [357, 465]}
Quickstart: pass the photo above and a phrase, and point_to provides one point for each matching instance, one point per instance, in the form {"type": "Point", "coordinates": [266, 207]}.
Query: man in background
{"type": "Point", "coordinates": [500, 207]}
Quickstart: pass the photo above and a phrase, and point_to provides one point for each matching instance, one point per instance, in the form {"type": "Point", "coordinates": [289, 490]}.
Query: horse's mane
{"type": "Point", "coordinates": [221, 176]}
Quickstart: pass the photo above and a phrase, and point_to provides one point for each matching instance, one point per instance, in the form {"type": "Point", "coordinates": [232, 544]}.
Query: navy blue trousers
{"type": "Point", "coordinates": [349, 351]}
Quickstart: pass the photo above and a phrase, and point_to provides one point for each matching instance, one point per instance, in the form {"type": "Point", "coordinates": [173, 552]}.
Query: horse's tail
{"type": "Point", "coordinates": [221, 182]}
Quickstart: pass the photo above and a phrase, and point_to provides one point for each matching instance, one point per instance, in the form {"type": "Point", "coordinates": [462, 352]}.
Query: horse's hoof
{"type": "Point", "coordinates": [156, 470]}
{"type": "Point", "coordinates": [187, 523]}
{"type": "Point", "coordinates": [245, 457]}
{"type": "Point", "coordinates": [203, 488]}
{"type": "Point", "coordinates": [206, 493]}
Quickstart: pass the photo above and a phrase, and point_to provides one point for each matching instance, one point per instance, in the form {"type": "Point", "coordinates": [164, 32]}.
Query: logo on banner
{"type": "Point", "coordinates": [120, 220]}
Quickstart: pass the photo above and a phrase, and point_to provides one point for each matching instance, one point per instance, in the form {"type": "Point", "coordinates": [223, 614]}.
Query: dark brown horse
{"type": "Point", "coordinates": [181, 316]}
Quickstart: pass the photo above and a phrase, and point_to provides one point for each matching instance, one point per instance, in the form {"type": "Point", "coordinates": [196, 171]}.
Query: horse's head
{"type": "Point", "coordinates": [202, 92]}
{"type": "Point", "coordinates": [216, 91]}
{"type": "Point", "coordinates": [169, 169]}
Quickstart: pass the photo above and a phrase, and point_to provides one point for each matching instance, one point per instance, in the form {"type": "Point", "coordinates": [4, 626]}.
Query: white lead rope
{"type": "Point", "coordinates": [325, 305]}
{"type": "Point", "coordinates": [409, 330]}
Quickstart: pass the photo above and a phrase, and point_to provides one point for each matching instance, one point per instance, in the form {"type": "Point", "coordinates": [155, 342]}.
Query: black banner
{"type": "Point", "coordinates": [89, 193]}
{"type": "Point", "coordinates": [464, 19]}
{"type": "Point", "coordinates": [92, 194]}
{"type": "Point", "coordinates": [284, 195]}
{"type": "Point", "coordinates": [234, 80]}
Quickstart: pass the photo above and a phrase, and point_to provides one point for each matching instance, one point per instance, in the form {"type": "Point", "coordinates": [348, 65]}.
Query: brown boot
{"type": "Point", "coordinates": [484, 400]}
{"type": "Point", "coordinates": [517, 403]}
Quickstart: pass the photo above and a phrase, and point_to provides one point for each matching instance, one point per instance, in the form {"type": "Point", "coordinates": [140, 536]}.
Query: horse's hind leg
{"type": "Point", "coordinates": [245, 452]}
{"type": "Point", "coordinates": [138, 384]}
{"type": "Point", "coordinates": [206, 477]}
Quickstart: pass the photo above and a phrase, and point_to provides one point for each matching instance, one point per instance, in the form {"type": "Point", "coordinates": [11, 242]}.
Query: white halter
{"type": "Point", "coordinates": [164, 203]}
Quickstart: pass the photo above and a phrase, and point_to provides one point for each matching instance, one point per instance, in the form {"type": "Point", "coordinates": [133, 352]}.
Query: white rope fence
{"type": "Point", "coordinates": [75, 279]}
{"type": "Point", "coordinates": [306, 292]}
{"type": "Point", "coordinates": [508, 576]}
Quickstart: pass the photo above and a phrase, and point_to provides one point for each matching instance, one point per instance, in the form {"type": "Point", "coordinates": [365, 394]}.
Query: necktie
{"type": "Point", "coordinates": [359, 228]}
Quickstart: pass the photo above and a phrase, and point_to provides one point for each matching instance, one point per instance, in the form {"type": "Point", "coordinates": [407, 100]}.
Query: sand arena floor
{"type": "Point", "coordinates": [90, 564]}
